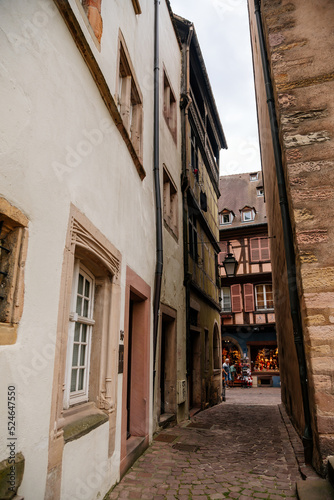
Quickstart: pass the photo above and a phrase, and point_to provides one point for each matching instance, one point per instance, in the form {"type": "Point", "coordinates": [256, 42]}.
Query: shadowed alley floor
{"type": "Point", "coordinates": [239, 449]}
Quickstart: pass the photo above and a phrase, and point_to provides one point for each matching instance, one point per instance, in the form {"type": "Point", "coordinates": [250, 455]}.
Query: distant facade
{"type": "Point", "coordinates": [171, 397]}
{"type": "Point", "coordinates": [292, 45]}
{"type": "Point", "coordinates": [248, 316]}
{"type": "Point", "coordinates": [202, 139]}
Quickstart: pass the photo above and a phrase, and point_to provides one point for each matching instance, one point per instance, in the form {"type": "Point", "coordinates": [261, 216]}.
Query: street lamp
{"type": "Point", "coordinates": [230, 263]}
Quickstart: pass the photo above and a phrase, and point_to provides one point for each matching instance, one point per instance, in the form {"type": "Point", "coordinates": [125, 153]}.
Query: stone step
{"type": "Point", "coordinates": [331, 470]}
{"type": "Point", "coordinates": [315, 489]}
{"type": "Point", "coordinates": [166, 419]}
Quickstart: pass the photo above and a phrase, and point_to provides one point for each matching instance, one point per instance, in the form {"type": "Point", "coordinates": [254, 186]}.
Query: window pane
{"type": "Point", "coordinates": [77, 332]}
{"type": "Point", "coordinates": [226, 299]}
{"type": "Point", "coordinates": [74, 380]}
{"type": "Point", "coordinates": [79, 305]}
{"type": "Point", "coordinates": [83, 333]}
{"type": "Point", "coordinates": [87, 288]}
{"type": "Point", "coordinates": [80, 284]}
{"type": "Point", "coordinates": [269, 297]}
{"type": "Point", "coordinates": [78, 379]}
{"type": "Point", "coordinates": [85, 308]}
{"type": "Point", "coordinates": [75, 355]}
{"type": "Point", "coordinates": [82, 355]}
{"type": "Point", "coordinates": [81, 379]}
{"type": "Point", "coordinates": [259, 297]}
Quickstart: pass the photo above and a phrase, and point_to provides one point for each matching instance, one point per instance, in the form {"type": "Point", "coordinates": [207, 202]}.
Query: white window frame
{"type": "Point", "coordinates": [79, 396]}
{"type": "Point", "coordinates": [230, 218]}
{"type": "Point", "coordinates": [170, 205]}
{"type": "Point", "coordinates": [226, 299]}
{"type": "Point", "coordinates": [170, 106]}
{"type": "Point", "coordinates": [129, 98]}
{"type": "Point", "coordinates": [250, 212]}
{"type": "Point", "coordinates": [254, 176]}
{"type": "Point", "coordinates": [260, 191]}
{"type": "Point", "coordinates": [265, 306]}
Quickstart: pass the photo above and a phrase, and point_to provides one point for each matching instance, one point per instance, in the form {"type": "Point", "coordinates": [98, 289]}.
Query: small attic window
{"type": "Point", "coordinates": [247, 214]}
{"type": "Point", "coordinates": [260, 191]}
{"type": "Point", "coordinates": [254, 176]}
{"type": "Point", "coordinates": [225, 217]}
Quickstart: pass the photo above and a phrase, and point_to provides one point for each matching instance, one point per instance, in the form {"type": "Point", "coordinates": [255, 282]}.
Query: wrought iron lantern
{"type": "Point", "coordinates": [230, 263]}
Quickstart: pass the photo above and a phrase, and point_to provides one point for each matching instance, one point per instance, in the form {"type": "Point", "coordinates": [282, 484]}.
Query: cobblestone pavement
{"type": "Point", "coordinates": [239, 449]}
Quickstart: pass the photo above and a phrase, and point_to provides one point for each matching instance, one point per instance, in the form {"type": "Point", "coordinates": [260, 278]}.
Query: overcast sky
{"type": "Point", "coordinates": [223, 32]}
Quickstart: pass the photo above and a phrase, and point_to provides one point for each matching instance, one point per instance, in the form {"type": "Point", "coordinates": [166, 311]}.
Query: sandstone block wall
{"type": "Point", "coordinates": [300, 41]}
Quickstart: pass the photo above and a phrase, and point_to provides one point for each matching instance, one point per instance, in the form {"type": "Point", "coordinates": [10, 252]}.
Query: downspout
{"type": "Point", "coordinates": [156, 173]}
{"type": "Point", "coordinates": [288, 242]}
{"type": "Point", "coordinates": [185, 182]}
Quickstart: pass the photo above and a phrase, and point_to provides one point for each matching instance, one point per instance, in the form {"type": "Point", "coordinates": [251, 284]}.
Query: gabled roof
{"type": "Point", "coordinates": [247, 207]}
{"type": "Point", "coordinates": [237, 192]}
{"type": "Point", "coordinates": [227, 210]}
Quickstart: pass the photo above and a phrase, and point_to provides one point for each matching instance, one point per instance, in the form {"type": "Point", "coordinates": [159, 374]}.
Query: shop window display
{"type": "Point", "coordinates": [264, 359]}
{"type": "Point", "coordinates": [231, 351]}
{"type": "Point", "coordinates": [242, 375]}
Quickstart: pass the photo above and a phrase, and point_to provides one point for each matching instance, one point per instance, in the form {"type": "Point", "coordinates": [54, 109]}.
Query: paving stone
{"type": "Point", "coordinates": [236, 489]}
{"type": "Point", "coordinates": [244, 452]}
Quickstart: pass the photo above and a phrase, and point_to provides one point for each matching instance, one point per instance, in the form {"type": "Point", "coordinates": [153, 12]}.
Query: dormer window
{"type": "Point", "coordinates": [225, 217]}
{"type": "Point", "coordinates": [254, 176]}
{"type": "Point", "coordinates": [260, 191]}
{"type": "Point", "coordinates": [247, 214]}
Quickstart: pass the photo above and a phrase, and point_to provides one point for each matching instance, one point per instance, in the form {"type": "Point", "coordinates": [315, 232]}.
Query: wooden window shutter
{"type": "Point", "coordinates": [223, 252]}
{"type": "Point", "coordinates": [248, 298]}
{"type": "Point", "coordinates": [264, 249]}
{"type": "Point", "coordinates": [254, 249]}
{"type": "Point", "coordinates": [236, 298]}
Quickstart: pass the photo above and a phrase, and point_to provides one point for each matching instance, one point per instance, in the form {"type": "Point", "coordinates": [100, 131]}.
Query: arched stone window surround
{"type": "Point", "coordinates": [14, 242]}
{"type": "Point", "coordinates": [86, 243]}
{"type": "Point", "coordinates": [216, 348]}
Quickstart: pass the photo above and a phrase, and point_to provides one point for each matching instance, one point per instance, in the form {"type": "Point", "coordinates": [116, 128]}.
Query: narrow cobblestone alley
{"type": "Point", "coordinates": [240, 449]}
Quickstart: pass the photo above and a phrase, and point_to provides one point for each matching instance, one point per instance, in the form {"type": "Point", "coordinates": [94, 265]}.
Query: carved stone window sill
{"type": "Point", "coordinates": [80, 420]}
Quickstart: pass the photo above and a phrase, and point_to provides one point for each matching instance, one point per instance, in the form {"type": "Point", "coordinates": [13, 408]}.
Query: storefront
{"type": "Point", "coordinates": [240, 367]}
{"type": "Point", "coordinates": [264, 364]}
{"type": "Point", "coordinates": [261, 358]}
{"type": "Point", "coordinates": [231, 351]}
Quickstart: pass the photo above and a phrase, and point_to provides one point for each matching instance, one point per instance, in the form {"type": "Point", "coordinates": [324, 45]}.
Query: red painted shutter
{"type": "Point", "coordinates": [249, 298]}
{"type": "Point", "coordinates": [223, 252]}
{"type": "Point", "coordinates": [236, 298]}
{"type": "Point", "coordinates": [254, 249]}
{"type": "Point", "coordinates": [264, 249]}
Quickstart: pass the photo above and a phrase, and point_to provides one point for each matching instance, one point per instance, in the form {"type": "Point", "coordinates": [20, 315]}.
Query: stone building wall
{"type": "Point", "coordinates": [299, 41]}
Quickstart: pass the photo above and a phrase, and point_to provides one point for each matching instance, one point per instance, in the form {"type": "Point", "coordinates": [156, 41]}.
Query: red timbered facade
{"type": "Point", "coordinates": [247, 305]}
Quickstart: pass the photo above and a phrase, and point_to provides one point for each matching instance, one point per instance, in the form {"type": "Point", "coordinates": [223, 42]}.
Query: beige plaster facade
{"type": "Point", "coordinates": [202, 140]}
{"type": "Point", "coordinates": [299, 44]}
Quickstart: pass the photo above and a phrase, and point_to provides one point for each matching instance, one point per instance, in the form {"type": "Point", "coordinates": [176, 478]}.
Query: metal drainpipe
{"type": "Point", "coordinates": [159, 243]}
{"type": "Point", "coordinates": [288, 242]}
{"type": "Point", "coordinates": [185, 175]}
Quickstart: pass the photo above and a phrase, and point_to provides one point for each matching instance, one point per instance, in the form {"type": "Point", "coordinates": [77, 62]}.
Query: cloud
{"type": "Point", "coordinates": [223, 32]}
